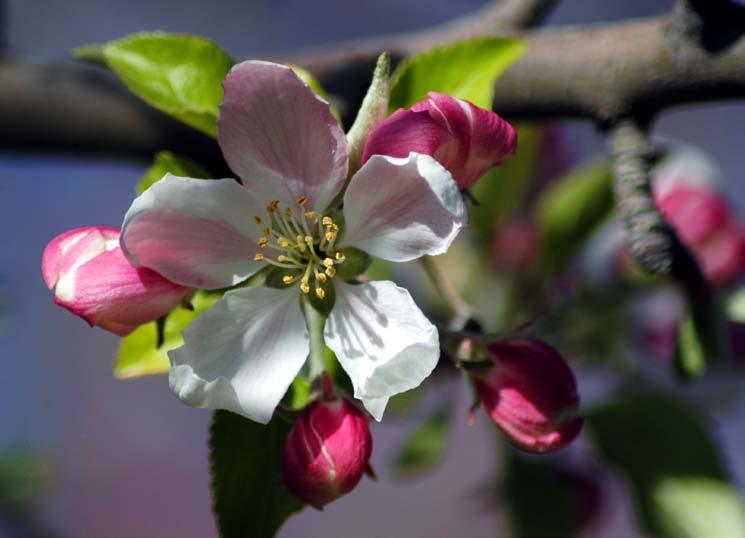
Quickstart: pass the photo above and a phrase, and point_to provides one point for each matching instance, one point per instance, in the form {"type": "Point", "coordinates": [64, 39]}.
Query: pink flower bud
{"type": "Point", "coordinates": [465, 139]}
{"type": "Point", "coordinates": [705, 224]}
{"type": "Point", "coordinates": [91, 277]}
{"type": "Point", "coordinates": [694, 211]}
{"type": "Point", "coordinates": [326, 452]}
{"type": "Point", "coordinates": [531, 395]}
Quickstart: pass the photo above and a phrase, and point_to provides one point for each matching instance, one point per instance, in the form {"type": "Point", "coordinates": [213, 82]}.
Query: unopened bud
{"type": "Point", "coordinates": [530, 394]}
{"type": "Point", "coordinates": [91, 277]}
{"type": "Point", "coordinates": [326, 452]}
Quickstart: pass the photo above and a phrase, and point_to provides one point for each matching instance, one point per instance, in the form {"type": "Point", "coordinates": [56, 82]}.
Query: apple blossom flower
{"type": "Point", "coordinates": [530, 394]}
{"type": "Point", "coordinates": [281, 139]}
{"type": "Point", "coordinates": [326, 452]}
{"type": "Point", "coordinates": [685, 191]}
{"type": "Point", "coordinates": [465, 139]}
{"type": "Point", "coordinates": [91, 277]}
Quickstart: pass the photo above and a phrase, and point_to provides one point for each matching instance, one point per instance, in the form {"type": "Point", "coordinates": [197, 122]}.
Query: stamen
{"type": "Point", "coordinates": [340, 257]}
{"type": "Point", "coordinates": [302, 200]}
{"type": "Point", "coordinates": [330, 236]}
{"type": "Point", "coordinates": [283, 265]}
{"type": "Point", "coordinates": [267, 231]}
{"type": "Point", "coordinates": [288, 212]}
{"type": "Point", "coordinates": [320, 293]}
{"type": "Point", "coordinates": [328, 262]}
{"type": "Point", "coordinates": [300, 242]}
{"type": "Point", "coordinates": [327, 221]}
{"type": "Point", "coordinates": [257, 219]}
{"type": "Point", "coordinates": [305, 287]}
{"type": "Point", "coordinates": [284, 242]}
{"type": "Point", "coordinates": [259, 257]}
{"type": "Point", "coordinates": [330, 271]}
{"type": "Point", "coordinates": [289, 279]}
{"type": "Point", "coordinates": [263, 242]}
{"type": "Point", "coordinates": [272, 206]}
{"type": "Point", "coordinates": [310, 215]}
{"type": "Point", "coordinates": [320, 277]}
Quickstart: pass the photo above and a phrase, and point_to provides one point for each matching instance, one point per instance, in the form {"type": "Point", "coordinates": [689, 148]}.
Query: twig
{"type": "Point", "coordinates": [460, 309]}
{"type": "Point", "coordinates": [650, 239]}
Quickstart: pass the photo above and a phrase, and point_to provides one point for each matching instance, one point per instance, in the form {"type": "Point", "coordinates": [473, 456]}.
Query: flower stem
{"type": "Point", "coordinates": [315, 321]}
{"type": "Point", "coordinates": [460, 309]}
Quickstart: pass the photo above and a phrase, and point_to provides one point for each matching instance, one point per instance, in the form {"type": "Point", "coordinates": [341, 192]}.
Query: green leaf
{"type": "Point", "coordinates": [500, 192]}
{"type": "Point", "coordinates": [736, 306]}
{"type": "Point", "coordinates": [170, 163]}
{"type": "Point", "coordinates": [702, 336]}
{"type": "Point", "coordinates": [690, 357]}
{"type": "Point", "coordinates": [249, 498]}
{"type": "Point", "coordinates": [426, 446]}
{"type": "Point", "coordinates": [307, 77]}
{"type": "Point", "coordinates": [674, 469]}
{"type": "Point", "coordinates": [23, 477]}
{"type": "Point", "coordinates": [534, 486]}
{"type": "Point", "coordinates": [466, 70]}
{"type": "Point", "coordinates": [138, 353]}
{"type": "Point", "coordinates": [373, 110]}
{"type": "Point", "coordinates": [180, 75]}
{"type": "Point", "coordinates": [570, 210]}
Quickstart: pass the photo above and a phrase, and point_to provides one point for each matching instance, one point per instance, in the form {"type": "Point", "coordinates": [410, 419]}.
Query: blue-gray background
{"type": "Point", "coordinates": [126, 458]}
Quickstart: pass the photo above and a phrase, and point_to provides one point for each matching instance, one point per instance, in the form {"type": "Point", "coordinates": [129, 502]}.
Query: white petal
{"type": "Point", "coordinates": [382, 340]}
{"type": "Point", "coordinates": [243, 353]}
{"type": "Point", "coordinates": [400, 209]}
{"type": "Point", "coordinates": [375, 406]}
{"type": "Point", "coordinates": [195, 232]}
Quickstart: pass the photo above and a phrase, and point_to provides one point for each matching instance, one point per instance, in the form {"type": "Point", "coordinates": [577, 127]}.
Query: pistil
{"type": "Point", "coordinates": [305, 243]}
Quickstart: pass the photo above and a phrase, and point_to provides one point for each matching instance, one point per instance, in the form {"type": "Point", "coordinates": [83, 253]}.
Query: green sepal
{"type": "Point", "coordinates": [298, 395]}
{"type": "Point", "coordinates": [373, 110]}
{"type": "Point", "coordinates": [355, 263]}
{"type": "Point", "coordinates": [276, 274]}
{"type": "Point", "coordinates": [325, 305]}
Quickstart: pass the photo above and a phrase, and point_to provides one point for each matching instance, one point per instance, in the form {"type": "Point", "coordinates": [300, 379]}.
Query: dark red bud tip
{"type": "Point", "coordinates": [326, 452]}
{"type": "Point", "coordinates": [531, 395]}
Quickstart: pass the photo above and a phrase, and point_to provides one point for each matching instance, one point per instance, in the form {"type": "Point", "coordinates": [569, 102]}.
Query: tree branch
{"type": "Point", "coordinates": [602, 73]}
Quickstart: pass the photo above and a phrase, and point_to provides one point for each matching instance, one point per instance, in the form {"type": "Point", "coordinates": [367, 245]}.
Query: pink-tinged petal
{"type": "Point", "coordinates": [693, 211]}
{"type": "Point", "coordinates": [465, 139]}
{"type": "Point", "coordinates": [401, 209]}
{"type": "Point", "coordinates": [722, 255]}
{"type": "Point", "coordinates": [382, 340]}
{"type": "Point", "coordinates": [197, 233]}
{"type": "Point", "coordinates": [243, 353]}
{"type": "Point", "coordinates": [107, 291]}
{"type": "Point", "coordinates": [280, 137]}
{"type": "Point", "coordinates": [73, 248]}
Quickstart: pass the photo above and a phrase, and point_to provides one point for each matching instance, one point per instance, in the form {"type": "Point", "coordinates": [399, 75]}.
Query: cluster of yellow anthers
{"type": "Point", "coordinates": [305, 242]}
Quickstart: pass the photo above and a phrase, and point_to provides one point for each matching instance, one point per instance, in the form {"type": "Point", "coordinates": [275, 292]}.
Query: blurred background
{"type": "Point", "coordinates": [92, 456]}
